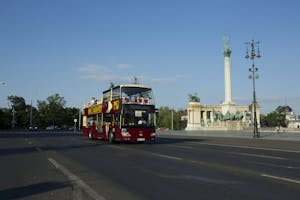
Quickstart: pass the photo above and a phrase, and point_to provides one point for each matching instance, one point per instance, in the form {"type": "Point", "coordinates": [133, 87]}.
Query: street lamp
{"type": "Point", "coordinates": [253, 75]}
{"type": "Point", "coordinates": [13, 121]}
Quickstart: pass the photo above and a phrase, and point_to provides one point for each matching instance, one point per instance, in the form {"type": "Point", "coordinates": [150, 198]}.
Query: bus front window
{"type": "Point", "coordinates": [138, 118]}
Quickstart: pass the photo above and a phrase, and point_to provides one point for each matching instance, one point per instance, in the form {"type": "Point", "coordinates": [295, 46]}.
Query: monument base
{"type": "Point", "coordinates": [193, 127]}
{"type": "Point", "coordinates": [219, 126]}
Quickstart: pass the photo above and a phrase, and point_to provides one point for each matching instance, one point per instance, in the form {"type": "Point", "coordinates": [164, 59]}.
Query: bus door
{"type": "Point", "coordinates": [107, 121]}
{"type": "Point", "coordinates": [99, 122]}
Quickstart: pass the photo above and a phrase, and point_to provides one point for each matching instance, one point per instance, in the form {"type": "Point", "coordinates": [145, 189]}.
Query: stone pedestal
{"type": "Point", "coordinates": [194, 116]}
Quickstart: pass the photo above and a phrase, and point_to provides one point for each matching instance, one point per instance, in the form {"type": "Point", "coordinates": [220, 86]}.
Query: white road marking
{"type": "Point", "coordinates": [274, 165]}
{"type": "Point", "coordinates": [28, 141]}
{"type": "Point", "coordinates": [263, 175]}
{"type": "Point", "coordinates": [90, 142]}
{"type": "Point", "coordinates": [183, 147]}
{"type": "Point", "coordinates": [116, 147]}
{"type": "Point", "coordinates": [38, 149]}
{"type": "Point", "coordinates": [200, 178]}
{"type": "Point", "coordinates": [76, 181]}
{"type": "Point", "coordinates": [260, 156]}
{"type": "Point", "coordinates": [245, 147]}
{"type": "Point", "coordinates": [281, 178]}
{"type": "Point", "coordinates": [165, 156]}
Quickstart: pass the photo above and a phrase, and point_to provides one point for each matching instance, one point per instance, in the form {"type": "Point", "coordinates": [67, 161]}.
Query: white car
{"type": "Point", "coordinates": [33, 128]}
{"type": "Point", "coordinates": [50, 128]}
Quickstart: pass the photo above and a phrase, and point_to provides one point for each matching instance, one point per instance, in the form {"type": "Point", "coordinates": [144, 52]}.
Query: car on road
{"type": "Point", "coordinates": [50, 128]}
{"type": "Point", "coordinates": [33, 128]}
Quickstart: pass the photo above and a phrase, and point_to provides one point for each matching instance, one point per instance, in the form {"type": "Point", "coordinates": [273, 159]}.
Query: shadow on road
{"type": "Point", "coordinates": [4, 150]}
{"type": "Point", "coordinates": [172, 140]}
{"type": "Point", "coordinates": [26, 150]}
{"type": "Point", "coordinates": [38, 134]}
{"type": "Point", "coordinates": [62, 146]}
{"type": "Point", "coordinates": [25, 191]}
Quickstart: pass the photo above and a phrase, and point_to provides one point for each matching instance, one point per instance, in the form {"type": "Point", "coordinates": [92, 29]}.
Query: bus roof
{"type": "Point", "coordinates": [129, 86]}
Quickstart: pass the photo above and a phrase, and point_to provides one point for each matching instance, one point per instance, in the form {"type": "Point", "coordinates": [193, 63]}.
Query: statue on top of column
{"type": "Point", "coordinates": [227, 51]}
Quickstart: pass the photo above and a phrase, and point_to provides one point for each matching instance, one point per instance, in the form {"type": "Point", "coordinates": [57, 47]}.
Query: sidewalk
{"type": "Point", "coordinates": [291, 136]}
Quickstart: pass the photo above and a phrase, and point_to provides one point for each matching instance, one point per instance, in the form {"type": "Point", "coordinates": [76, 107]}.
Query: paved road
{"type": "Point", "coordinates": [69, 166]}
{"type": "Point", "coordinates": [265, 134]}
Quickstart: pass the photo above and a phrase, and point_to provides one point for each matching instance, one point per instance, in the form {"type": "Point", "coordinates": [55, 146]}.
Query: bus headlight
{"type": "Point", "coordinates": [124, 133]}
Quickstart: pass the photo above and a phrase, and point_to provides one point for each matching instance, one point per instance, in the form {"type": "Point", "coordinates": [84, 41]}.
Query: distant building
{"type": "Point", "coordinates": [293, 120]}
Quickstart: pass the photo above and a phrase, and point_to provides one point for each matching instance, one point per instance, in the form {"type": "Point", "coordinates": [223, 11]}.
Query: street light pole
{"type": "Point", "coordinates": [172, 120]}
{"type": "Point", "coordinates": [253, 75]}
{"type": "Point", "coordinates": [13, 121]}
{"type": "Point", "coordinates": [30, 116]}
{"type": "Point", "coordinates": [79, 119]}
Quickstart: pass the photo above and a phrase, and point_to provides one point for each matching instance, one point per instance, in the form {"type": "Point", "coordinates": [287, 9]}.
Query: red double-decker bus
{"type": "Point", "coordinates": [124, 113]}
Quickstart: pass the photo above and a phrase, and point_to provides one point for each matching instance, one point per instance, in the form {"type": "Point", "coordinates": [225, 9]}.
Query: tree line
{"type": "Point", "coordinates": [276, 118]}
{"type": "Point", "coordinates": [53, 112]}
{"type": "Point", "coordinates": [49, 112]}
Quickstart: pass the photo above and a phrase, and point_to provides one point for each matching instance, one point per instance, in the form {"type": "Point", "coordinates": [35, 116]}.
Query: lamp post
{"type": "Point", "coordinates": [79, 119]}
{"type": "Point", "coordinates": [255, 53]}
{"type": "Point", "coordinates": [2, 83]}
{"type": "Point", "coordinates": [13, 121]}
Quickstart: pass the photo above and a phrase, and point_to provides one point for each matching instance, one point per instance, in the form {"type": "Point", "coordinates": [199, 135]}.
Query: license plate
{"type": "Point", "coordinates": [140, 139]}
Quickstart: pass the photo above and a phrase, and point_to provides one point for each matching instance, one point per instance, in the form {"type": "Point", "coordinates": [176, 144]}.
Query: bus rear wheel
{"type": "Point", "coordinates": [111, 137]}
{"type": "Point", "coordinates": [90, 135]}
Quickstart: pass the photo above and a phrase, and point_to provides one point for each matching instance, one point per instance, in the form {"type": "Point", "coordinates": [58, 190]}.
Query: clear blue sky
{"type": "Point", "coordinates": [77, 47]}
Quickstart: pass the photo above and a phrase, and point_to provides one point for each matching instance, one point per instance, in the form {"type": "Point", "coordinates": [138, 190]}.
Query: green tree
{"type": "Point", "coordinates": [52, 110]}
{"type": "Point", "coordinates": [164, 118]}
{"type": "Point", "coordinates": [36, 117]}
{"type": "Point", "coordinates": [21, 111]}
{"type": "Point", "coordinates": [179, 124]}
{"type": "Point", "coordinates": [263, 121]}
{"type": "Point", "coordinates": [276, 117]}
{"type": "Point", "coordinates": [70, 115]}
{"type": "Point", "coordinates": [283, 109]}
{"type": "Point", "coordinates": [5, 118]}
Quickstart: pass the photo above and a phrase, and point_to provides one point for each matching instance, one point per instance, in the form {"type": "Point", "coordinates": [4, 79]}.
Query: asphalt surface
{"type": "Point", "coordinates": [57, 165]}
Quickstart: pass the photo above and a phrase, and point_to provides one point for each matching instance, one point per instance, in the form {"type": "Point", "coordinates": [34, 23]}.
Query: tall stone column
{"type": "Point", "coordinates": [227, 78]}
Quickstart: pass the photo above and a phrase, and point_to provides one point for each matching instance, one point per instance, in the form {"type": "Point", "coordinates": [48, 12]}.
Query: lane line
{"type": "Point", "coordinates": [245, 147]}
{"type": "Point", "coordinates": [260, 156]}
{"type": "Point", "coordinates": [201, 163]}
{"type": "Point", "coordinates": [182, 147]}
{"type": "Point", "coordinates": [165, 156]}
{"type": "Point", "coordinates": [273, 165]}
{"type": "Point", "coordinates": [262, 175]}
{"type": "Point", "coordinates": [38, 149]}
{"type": "Point", "coordinates": [281, 178]}
{"type": "Point", "coordinates": [90, 142]}
{"type": "Point", "coordinates": [76, 181]}
{"type": "Point", "coordinates": [28, 141]}
{"type": "Point", "coordinates": [116, 147]}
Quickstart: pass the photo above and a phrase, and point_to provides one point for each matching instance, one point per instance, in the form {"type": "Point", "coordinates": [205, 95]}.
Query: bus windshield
{"type": "Point", "coordinates": [138, 118]}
